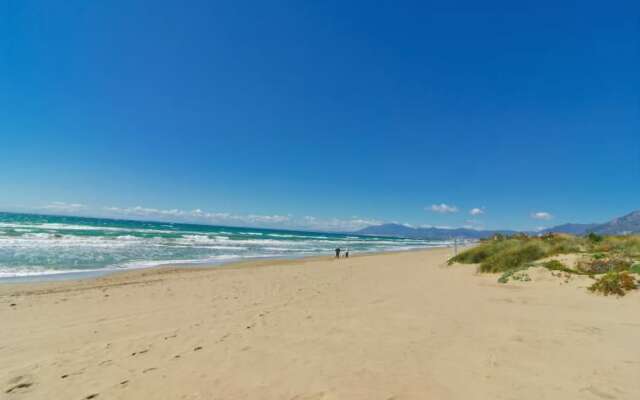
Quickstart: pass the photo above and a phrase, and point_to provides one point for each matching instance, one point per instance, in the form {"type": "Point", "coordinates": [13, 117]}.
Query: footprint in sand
{"type": "Point", "coordinates": [589, 330]}
{"type": "Point", "coordinates": [19, 384]}
{"type": "Point", "coordinates": [598, 393]}
{"type": "Point", "coordinates": [65, 376]}
{"type": "Point", "coordinates": [313, 396]}
{"type": "Point", "coordinates": [19, 387]}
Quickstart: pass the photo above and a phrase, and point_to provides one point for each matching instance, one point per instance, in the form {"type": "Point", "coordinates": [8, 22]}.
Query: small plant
{"type": "Point", "coordinates": [598, 266]}
{"type": "Point", "coordinates": [623, 246]}
{"type": "Point", "coordinates": [635, 268]}
{"type": "Point", "coordinates": [521, 276]}
{"type": "Point", "coordinates": [602, 266]}
{"type": "Point", "coordinates": [504, 278]}
{"type": "Point", "coordinates": [513, 274]}
{"type": "Point", "coordinates": [598, 256]}
{"type": "Point", "coordinates": [620, 265]}
{"type": "Point", "coordinates": [594, 237]}
{"type": "Point", "coordinates": [617, 283]}
{"type": "Point", "coordinates": [555, 265]}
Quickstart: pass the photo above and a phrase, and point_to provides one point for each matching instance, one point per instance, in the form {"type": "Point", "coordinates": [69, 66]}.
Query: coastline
{"type": "Point", "coordinates": [392, 325]}
{"type": "Point", "coordinates": [73, 281]}
{"type": "Point", "coordinates": [51, 248]}
{"type": "Point", "coordinates": [98, 273]}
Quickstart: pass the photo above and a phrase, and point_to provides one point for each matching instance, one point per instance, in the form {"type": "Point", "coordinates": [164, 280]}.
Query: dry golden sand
{"type": "Point", "coordinates": [393, 326]}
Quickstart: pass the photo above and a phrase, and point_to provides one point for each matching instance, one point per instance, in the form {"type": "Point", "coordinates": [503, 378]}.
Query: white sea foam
{"type": "Point", "coordinates": [219, 247]}
{"type": "Point", "coordinates": [283, 236]}
{"type": "Point", "coordinates": [26, 271]}
{"type": "Point", "coordinates": [46, 240]}
{"type": "Point", "coordinates": [129, 237]}
{"type": "Point", "coordinates": [70, 227]}
{"type": "Point", "coordinates": [33, 249]}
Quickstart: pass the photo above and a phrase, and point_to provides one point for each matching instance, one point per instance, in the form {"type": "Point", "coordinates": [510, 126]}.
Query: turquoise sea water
{"type": "Point", "coordinates": [38, 245]}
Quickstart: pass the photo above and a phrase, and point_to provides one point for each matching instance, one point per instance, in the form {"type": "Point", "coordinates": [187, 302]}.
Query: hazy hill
{"type": "Point", "coordinates": [625, 225]}
{"type": "Point", "coordinates": [573, 229]}
{"type": "Point", "coordinates": [427, 233]}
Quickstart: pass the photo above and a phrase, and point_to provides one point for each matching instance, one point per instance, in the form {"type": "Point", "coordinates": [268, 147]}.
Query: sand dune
{"type": "Point", "coordinates": [392, 326]}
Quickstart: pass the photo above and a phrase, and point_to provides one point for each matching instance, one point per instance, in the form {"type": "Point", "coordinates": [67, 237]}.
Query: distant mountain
{"type": "Point", "coordinates": [404, 231]}
{"type": "Point", "coordinates": [573, 229]}
{"type": "Point", "coordinates": [629, 224]}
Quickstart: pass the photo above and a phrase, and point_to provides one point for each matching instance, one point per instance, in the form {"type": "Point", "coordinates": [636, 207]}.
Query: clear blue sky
{"type": "Point", "coordinates": [333, 109]}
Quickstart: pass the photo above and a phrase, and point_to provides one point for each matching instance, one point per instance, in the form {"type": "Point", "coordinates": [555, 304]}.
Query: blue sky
{"type": "Point", "coordinates": [322, 114]}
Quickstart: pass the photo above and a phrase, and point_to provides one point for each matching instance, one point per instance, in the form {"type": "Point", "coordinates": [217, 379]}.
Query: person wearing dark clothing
{"type": "Point", "coordinates": [338, 250]}
{"type": "Point", "coordinates": [346, 253]}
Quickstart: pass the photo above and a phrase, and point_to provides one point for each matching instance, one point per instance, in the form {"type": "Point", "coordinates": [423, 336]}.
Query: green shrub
{"type": "Point", "coordinates": [555, 265]}
{"type": "Point", "coordinates": [484, 251]}
{"type": "Point", "coordinates": [502, 254]}
{"type": "Point", "coordinates": [594, 237]}
{"type": "Point", "coordinates": [635, 268]}
{"type": "Point", "coordinates": [622, 246]}
{"type": "Point", "coordinates": [504, 278]}
{"type": "Point", "coordinates": [617, 283]}
{"type": "Point", "coordinates": [602, 266]}
{"type": "Point", "coordinates": [514, 257]}
{"type": "Point", "coordinates": [620, 265]}
{"type": "Point", "coordinates": [472, 256]}
{"type": "Point", "coordinates": [564, 247]}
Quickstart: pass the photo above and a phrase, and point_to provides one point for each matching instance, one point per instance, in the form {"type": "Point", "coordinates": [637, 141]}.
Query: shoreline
{"type": "Point", "coordinates": [139, 275]}
{"type": "Point", "coordinates": [54, 248]}
{"type": "Point", "coordinates": [95, 274]}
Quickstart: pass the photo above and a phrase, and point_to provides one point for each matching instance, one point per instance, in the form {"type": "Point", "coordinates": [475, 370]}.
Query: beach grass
{"type": "Point", "coordinates": [614, 257]}
{"type": "Point", "coordinates": [501, 254]}
{"type": "Point", "coordinates": [615, 283]}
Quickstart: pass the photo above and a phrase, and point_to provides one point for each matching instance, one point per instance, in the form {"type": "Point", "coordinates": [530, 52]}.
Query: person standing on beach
{"type": "Point", "coordinates": [346, 253]}
{"type": "Point", "coordinates": [338, 252]}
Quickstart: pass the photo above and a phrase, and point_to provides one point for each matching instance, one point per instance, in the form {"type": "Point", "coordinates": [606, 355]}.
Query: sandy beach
{"type": "Point", "coordinates": [387, 326]}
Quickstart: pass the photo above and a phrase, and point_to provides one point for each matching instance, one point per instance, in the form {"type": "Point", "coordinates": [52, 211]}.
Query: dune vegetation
{"type": "Point", "coordinates": [611, 260]}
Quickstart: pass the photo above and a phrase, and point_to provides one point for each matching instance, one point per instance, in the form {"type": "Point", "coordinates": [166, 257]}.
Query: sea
{"type": "Point", "coordinates": [45, 247]}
